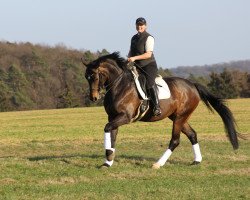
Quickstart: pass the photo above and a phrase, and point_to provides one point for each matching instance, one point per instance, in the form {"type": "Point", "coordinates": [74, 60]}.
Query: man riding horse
{"type": "Point", "coordinates": [141, 52]}
{"type": "Point", "coordinates": [122, 101]}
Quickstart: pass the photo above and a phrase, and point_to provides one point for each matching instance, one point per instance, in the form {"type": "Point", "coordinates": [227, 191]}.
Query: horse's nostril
{"type": "Point", "coordinates": [94, 99]}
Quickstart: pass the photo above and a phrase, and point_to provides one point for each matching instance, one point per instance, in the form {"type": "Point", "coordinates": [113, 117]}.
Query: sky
{"type": "Point", "coordinates": [186, 32]}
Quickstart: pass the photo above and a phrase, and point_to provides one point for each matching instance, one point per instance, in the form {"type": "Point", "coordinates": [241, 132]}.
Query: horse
{"type": "Point", "coordinates": [121, 103]}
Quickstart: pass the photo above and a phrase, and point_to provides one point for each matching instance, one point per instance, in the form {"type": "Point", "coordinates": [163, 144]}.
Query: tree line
{"type": "Point", "coordinates": [44, 77]}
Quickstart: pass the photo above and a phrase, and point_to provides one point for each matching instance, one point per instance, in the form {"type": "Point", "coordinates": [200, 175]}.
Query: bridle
{"type": "Point", "coordinates": [108, 87]}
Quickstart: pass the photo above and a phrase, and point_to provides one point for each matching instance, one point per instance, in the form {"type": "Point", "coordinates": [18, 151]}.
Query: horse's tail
{"type": "Point", "coordinates": [226, 115]}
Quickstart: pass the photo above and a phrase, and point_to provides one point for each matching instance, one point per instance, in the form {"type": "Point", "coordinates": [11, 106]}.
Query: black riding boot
{"type": "Point", "coordinates": [155, 101]}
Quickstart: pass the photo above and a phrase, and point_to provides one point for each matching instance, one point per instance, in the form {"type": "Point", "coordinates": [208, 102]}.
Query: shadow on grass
{"type": "Point", "coordinates": [67, 159]}
{"type": "Point", "coordinates": [137, 158]}
{"type": "Point", "coordinates": [38, 158]}
{"type": "Point", "coordinates": [180, 162]}
{"type": "Point", "coordinates": [93, 156]}
{"type": "Point", "coordinates": [153, 160]}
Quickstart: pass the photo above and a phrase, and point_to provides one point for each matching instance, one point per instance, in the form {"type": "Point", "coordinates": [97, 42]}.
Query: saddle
{"type": "Point", "coordinates": [140, 82]}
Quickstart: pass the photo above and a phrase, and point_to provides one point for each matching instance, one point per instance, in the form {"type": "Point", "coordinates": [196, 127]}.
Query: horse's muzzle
{"type": "Point", "coordinates": [94, 96]}
{"type": "Point", "coordinates": [94, 99]}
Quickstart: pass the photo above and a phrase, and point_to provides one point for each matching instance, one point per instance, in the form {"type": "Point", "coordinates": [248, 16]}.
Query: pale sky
{"type": "Point", "coordinates": [186, 32]}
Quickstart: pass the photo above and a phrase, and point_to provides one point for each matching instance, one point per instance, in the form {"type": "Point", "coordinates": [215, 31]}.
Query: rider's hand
{"type": "Point", "coordinates": [131, 59]}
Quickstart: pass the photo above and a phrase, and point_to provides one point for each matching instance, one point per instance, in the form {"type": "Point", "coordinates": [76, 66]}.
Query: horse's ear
{"type": "Point", "coordinates": [84, 62]}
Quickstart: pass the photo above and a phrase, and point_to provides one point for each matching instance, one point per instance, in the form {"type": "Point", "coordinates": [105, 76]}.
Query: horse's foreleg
{"type": "Point", "coordinates": [174, 142]}
{"type": "Point", "coordinates": [110, 134]}
{"type": "Point", "coordinates": [109, 146]}
{"type": "Point", "coordinates": [192, 136]}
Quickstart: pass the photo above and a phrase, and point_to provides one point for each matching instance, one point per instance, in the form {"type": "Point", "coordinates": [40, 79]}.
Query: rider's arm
{"type": "Point", "coordinates": [149, 46]}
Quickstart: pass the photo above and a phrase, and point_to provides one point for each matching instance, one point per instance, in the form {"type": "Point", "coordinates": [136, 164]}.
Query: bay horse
{"type": "Point", "coordinates": [121, 103]}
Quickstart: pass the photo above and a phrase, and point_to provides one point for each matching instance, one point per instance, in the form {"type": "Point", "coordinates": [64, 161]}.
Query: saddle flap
{"type": "Point", "coordinates": [163, 89]}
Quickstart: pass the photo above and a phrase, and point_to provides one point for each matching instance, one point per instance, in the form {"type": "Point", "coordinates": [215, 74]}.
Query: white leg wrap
{"type": "Point", "coordinates": [197, 153]}
{"type": "Point", "coordinates": [110, 163]}
{"type": "Point", "coordinates": [164, 157]}
{"type": "Point", "coordinates": [107, 140]}
{"type": "Point", "coordinates": [107, 146]}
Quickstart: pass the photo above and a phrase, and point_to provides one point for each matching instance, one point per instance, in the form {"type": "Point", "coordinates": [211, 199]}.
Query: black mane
{"type": "Point", "coordinates": [121, 62]}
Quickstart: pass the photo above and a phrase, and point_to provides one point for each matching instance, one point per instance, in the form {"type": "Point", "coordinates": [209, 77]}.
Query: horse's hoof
{"type": "Point", "coordinates": [195, 163]}
{"type": "Point", "coordinates": [104, 166]}
{"type": "Point", "coordinates": [156, 166]}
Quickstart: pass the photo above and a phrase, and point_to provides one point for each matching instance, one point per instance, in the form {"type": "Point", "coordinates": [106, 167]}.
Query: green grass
{"type": "Point", "coordinates": [55, 154]}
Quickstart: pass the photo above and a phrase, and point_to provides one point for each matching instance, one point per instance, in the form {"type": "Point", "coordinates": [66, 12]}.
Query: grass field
{"type": "Point", "coordinates": [55, 154]}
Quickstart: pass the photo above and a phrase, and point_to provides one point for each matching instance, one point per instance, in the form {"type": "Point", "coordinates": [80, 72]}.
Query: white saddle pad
{"type": "Point", "coordinates": [163, 89]}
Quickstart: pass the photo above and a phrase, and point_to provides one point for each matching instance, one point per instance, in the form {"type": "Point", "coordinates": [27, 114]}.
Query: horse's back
{"type": "Point", "coordinates": [183, 92]}
{"type": "Point", "coordinates": [180, 85]}
{"type": "Point", "coordinates": [178, 81]}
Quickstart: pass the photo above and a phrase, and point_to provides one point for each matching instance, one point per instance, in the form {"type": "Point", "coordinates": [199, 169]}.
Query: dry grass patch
{"type": "Point", "coordinates": [237, 172]}
{"type": "Point", "coordinates": [7, 181]}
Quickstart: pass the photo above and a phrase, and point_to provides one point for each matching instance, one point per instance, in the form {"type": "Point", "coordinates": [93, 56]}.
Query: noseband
{"type": "Point", "coordinates": [109, 86]}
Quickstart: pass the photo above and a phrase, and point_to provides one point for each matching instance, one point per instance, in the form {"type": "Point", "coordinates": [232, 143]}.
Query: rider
{"type": "Point", "coordinates": [141, 52]}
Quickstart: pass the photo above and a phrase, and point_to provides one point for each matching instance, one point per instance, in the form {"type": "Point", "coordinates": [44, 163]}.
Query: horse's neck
{"type": "Point", "coordinates": [114, 73]}
{"type": "Point", "coordinates": [117, 80]}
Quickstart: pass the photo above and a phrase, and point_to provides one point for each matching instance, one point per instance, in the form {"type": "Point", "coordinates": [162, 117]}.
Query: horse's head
{"type": "Point", "coordinates": [92, 75]}
{"type": "Point", "coordinates": [100, 71]}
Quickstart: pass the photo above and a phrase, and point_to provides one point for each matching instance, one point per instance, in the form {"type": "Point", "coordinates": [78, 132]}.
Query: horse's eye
{"type": "Point", "coordinates": [89, 77]}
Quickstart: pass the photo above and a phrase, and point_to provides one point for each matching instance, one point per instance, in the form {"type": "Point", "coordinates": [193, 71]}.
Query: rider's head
{"type": "Point", "coordinates": [141, 24]}
{"type": "Point", "coordinates": [140, 21]}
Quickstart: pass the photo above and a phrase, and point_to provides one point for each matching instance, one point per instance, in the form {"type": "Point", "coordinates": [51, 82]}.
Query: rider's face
{"type": "Point", "coordinates": [141, 28]}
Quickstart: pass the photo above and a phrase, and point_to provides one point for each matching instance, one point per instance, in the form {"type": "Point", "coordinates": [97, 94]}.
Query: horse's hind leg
{"type": "Point", "coordinates": [174, 142]}
{"type": "Point", "coordinates": [192, 136]}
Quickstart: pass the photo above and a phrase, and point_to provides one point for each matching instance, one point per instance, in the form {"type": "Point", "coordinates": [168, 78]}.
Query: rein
{"type": "Point", "coordinates": [112, 84]}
